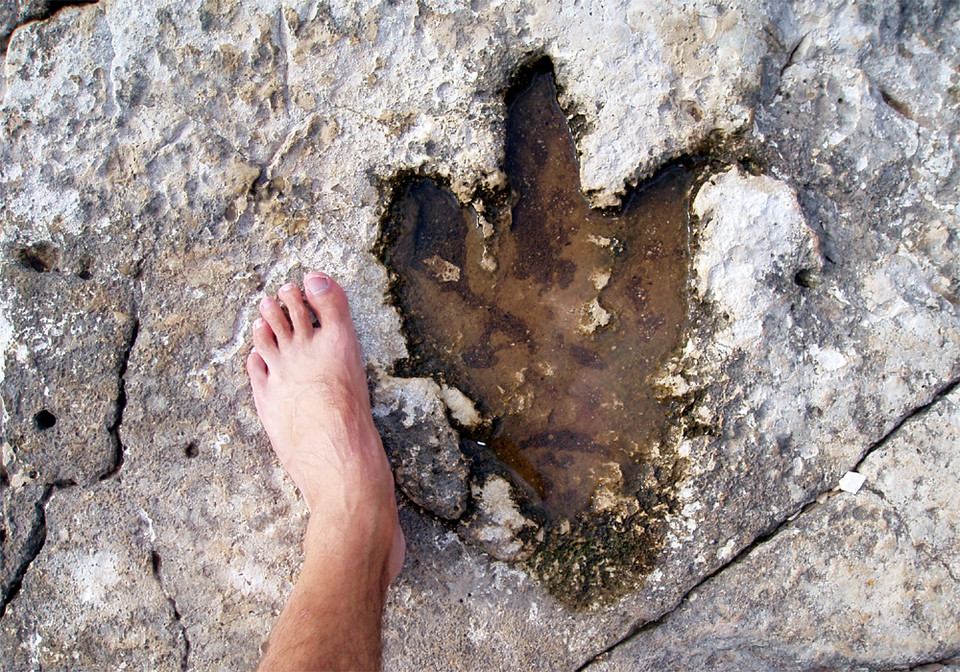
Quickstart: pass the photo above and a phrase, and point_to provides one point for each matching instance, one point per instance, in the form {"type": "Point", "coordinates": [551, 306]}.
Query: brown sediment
{"type": "Point", "coordinates": [552, 318]}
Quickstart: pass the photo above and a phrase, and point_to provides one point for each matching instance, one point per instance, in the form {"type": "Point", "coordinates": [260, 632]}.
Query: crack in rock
{"type": "Point", "coordinates": [156, 563]}
{"type": "Point", "coordinates": [35, 541]}
{"type": "Point", "coordinates": [775, 529]}
{"type": "Point", "coordinates": [114, 430]}
{"type": "Point", "coordinates": [909, 415]}
{"type": "Point", "coordinates": [636, 632]}
{"type": "Point", "coordinates": [762, 538]}
{"type": "Point", "coordinates": [792, 57]}
{"type": "Point", "coordinates": [283, 43]}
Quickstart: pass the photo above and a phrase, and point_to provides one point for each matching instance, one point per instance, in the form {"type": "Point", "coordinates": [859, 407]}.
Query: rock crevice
{"type": "Point", "coordinates": [768, 536]}
{"type": "Point", "coordinates": [156, 564]}
{"type": "Point", "coordinates": [119, 451]}
{"type": "Point", "coordinates": [28, 552]}
{"type": "Point", "coordinates": [918, 411]}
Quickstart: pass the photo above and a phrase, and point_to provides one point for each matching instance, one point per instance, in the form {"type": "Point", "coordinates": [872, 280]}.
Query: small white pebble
{"type": "Point", "coordinates": [852, 482]}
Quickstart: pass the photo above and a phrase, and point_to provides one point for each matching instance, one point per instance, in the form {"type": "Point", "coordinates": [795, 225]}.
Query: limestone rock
{"type": "Point", "coordinates": [860, 581]}
{"type": "Point", "coordinates": [424, 450]}
{"type": "Point", "coordinates": [94, 600]}
{"type": "Point", "coordinates": [483, 614]}
{"type": "Point", "coordinates": [497, 522]}
{"type": "Point", "coordinates": [62, 387]}
{"type": "Point", "coordinates": [16, 12]}
{"type": "Point", "coordinates": [22, 524]}
{"type": "Point", "coordinates": [204, 152]}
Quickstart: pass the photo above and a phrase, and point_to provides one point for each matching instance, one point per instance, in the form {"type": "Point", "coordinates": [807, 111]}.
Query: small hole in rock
{"type": "Point", "coordinates": [83, 268]}
{"type": "Point", "coordinates": [191, 450]}
{"type": "Point", "coordinates": [40, 257]}
{"type": "Point", "coordinates": [806, 277]}
{"type": "Point", "coordinates": [44, 420]}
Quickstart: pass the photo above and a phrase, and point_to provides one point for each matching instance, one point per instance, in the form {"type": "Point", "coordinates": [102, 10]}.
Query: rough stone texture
{"type": "Point", "coordinates": [23, 530]}
{"type": "Point", "coordinates": [14, 13]}
{"type": "Point", "coordinates": [195, 154]}
{"type": "Point", "coordinates": [497, 522]}
{"type": "Point", "coordinates": [94, 597]}
{"type": "Point", "coordinates": [66, 430]}
{"type": "Point", "coordinates": [865, 580]}
{"type": "Point", "coordinates": [429, 466]}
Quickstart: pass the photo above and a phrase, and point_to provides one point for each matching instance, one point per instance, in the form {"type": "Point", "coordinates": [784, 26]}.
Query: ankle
{"type": "Point", "coordinates": [350, 540]}
{"type": "Point", "coordinates": [337, 575]}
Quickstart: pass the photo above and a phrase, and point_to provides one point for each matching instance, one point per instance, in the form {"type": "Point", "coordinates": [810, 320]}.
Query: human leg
{"type": "Point", "coordinates": [311, 395]}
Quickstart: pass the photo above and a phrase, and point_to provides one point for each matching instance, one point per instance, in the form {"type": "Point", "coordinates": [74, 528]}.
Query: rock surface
{"type": "Point", "coordinates": [497, 521]}
{"type": "Point", "coordinates": [163, 167]}
{"type": "Point", "coordinates": [863, 580]}
{"type": "Point", "coordinates": [96, 598]}
{"type": "Point", "coordinates": [14, 13]}
{"type": "Point", "coordinates": [424, 451]}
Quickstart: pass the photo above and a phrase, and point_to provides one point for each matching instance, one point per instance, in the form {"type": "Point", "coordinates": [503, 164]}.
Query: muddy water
{"type": "Point", "coordinates": [549, 315]}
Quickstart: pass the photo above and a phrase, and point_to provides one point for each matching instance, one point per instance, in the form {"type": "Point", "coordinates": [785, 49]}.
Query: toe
{"type": "Point", "coordinates": [256, 369]}
{"type": "Point", "coordinates": [264, 341]}
{"type": "Point", "coordinates": [277, 321]}
{"type": "Point", "coordinates": [299, 315]}
{"type": "Point", "coordinates": [328, 301]}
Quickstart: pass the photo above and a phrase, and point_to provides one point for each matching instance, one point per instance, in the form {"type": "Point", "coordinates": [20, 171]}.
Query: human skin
{"type": "Point", "coordinates": [311, 394]}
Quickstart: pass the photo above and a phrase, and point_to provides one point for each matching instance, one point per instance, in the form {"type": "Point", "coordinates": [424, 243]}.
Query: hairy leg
{"type": "Point", "coordinates": [311, 394]}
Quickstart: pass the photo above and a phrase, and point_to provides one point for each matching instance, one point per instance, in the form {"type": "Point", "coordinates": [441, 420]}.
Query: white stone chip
{"type": "Point", "coordinates": [461, 406]}
{"type": "Point", "coordinates": [852, 482]}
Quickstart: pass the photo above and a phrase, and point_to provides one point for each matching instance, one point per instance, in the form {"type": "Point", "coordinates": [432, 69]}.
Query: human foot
{"type": "Point", "coordinates": [311, 394]}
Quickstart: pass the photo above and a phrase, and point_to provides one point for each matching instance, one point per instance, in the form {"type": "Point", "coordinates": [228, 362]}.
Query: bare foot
{"type": "Point", "coordinates": [311, 394]}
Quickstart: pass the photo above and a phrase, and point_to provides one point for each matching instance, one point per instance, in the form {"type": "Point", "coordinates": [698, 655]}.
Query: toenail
{"type": "Point", "coordinates": [266, 302]}
{"type": "Point", "coordinates": [288, 287]}
{"type": "Point", "coordinates": [317, 283]}
{"type": "Point", "coordinates": [258, 323]}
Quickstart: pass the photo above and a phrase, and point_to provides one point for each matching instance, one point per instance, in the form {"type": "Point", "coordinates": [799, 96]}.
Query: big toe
{"type": "Point", "coordinates": [328, 301]}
